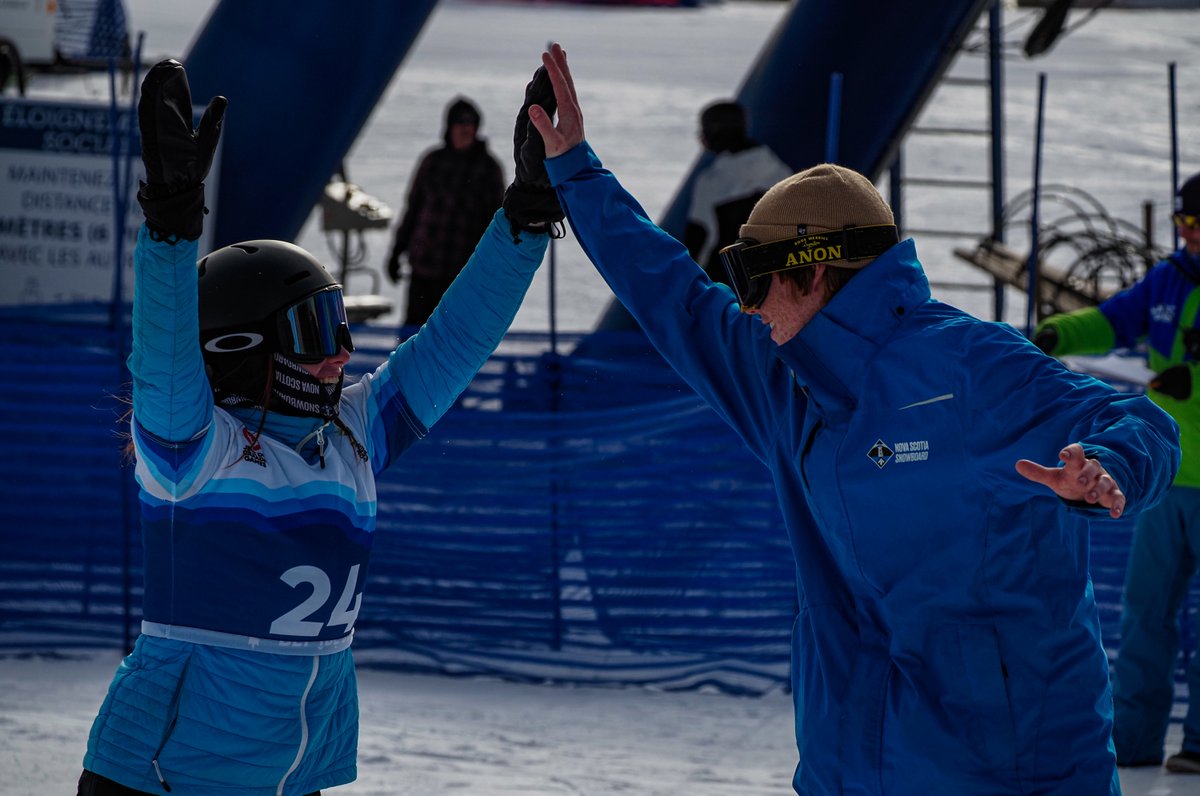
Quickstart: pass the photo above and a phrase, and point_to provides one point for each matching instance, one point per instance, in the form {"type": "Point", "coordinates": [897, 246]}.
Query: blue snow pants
{"type": "Point", "coordinates": [1162, 561]}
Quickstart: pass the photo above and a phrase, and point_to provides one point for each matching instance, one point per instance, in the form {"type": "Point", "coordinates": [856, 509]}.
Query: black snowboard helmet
{"type": "Point", "coordinates": [1187, 198]}
{"type": "Point", "coordinates": [263, 297]}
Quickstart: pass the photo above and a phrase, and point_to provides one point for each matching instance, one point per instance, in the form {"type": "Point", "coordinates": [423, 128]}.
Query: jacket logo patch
{"type": "Point", "coordinates": [253, 451]}
{"type": "Point", "coordinates": [880, 453]}
{"type": "Point", "coordinates": [916, 450]}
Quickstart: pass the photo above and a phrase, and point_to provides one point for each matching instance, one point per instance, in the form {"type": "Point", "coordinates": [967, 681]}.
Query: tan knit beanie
{"type": "Point", "coordinates": [823, 198]}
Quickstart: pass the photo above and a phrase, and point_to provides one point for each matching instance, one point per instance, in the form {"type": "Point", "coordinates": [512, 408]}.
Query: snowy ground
{"type": "Point", "coordinates": [642, 74]}
{"type": "Point", "coordinates": [437, 735]}
{"type": "Point", "coordinates": [424, 736]}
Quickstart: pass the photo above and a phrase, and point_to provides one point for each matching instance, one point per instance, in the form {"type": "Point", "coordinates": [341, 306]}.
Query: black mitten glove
{"type": "Point", "coordinates": [530, 202]}
{"type": "Point", "coordinates": [177, 158]}
{"type": "Point", "coordinates": [1175, 381]}
{"type": "Point", "coordinates": [1047, 340]}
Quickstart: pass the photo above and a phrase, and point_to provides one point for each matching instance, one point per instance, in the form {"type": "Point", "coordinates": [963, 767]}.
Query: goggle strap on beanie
{"type": "Point", "coordinates": [844, 247]}
{"type": "Point", "coordinates": [748, 263]}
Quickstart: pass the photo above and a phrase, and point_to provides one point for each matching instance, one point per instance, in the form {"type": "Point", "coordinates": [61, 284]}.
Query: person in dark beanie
{"type": "Point", "coordinates": [947, 639]}
{"type": "Point", "coordinates": [1160, 309]}
{"type": "Point", "coordinates": [451, 198]}
{"type": "Point", "coordinates": [724, 190]}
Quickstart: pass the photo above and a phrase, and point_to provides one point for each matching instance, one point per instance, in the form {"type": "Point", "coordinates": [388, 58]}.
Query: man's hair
{"type": "Point", "coordinates": [835, 279]}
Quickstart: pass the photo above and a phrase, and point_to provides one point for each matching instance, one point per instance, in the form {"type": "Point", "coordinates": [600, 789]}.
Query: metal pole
{"type": "Point", "coordinates": [996, 97]}
{"type": "Point", "coordinates": [555, 382]}
{"type": "Point", "coordinates": [122, 174]}
{"type": "Point", "coordinates": [114, 308]}
{"type": "Point", "coordinates": [1031, 309]}
{"type": "Point", "coordinates": [1186, 629]}
{"type": "Point", "coordinates": [122, 143]}
{"type": "Point", "coordinates": [1171, 97]}
{"type": "Point", "coordinates": [1148, 224]}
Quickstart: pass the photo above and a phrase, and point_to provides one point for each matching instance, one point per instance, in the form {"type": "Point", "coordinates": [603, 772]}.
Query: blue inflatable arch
{"type": "Point", "coordinates": [890, 57]}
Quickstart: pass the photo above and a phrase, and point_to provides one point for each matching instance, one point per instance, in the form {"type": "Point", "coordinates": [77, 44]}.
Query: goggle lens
{"type": "Point", "coordinates": [316, 327]}
{"type": "Point", "coordinates": [750, 292]}
{"type": "Point", "coordinates": [1186, 221]}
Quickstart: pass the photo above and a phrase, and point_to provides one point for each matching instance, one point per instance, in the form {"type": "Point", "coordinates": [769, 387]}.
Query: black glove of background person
{"type": "Point", "coordinates": [177, 158]}
{"type": "Point", "coordinates": [393, 269]}
{"type": "Point", "coordinates": [1047, 340]}
{"type": "Point", "coordinates": [530, 202]}
{"type": "Point", "coordinates": [1175, 381]}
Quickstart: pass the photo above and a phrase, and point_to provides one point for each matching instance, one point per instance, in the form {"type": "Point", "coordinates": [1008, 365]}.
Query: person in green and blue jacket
{"type": "Point", "coordinates": [1162, 310]}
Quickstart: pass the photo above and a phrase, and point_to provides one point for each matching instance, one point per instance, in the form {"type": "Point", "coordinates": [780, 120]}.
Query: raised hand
{"type": "Point", "coordinates": [1079, 479]}
{"type": "Point", "coordinates": [530, 203]}
{"type": "Point", "coordinates": [177, 158]}
{"type": "Point", "coordinates": [569, 131]}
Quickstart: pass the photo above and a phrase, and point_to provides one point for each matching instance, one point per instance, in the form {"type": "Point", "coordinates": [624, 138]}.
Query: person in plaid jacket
{"type": "Point", "coordinates": [456, 189]}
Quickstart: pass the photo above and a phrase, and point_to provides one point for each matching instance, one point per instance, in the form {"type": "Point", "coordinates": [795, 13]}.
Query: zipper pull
{"type": "Point", "coordinates": [158, 773]}
{"type": "Point", "coordinates": [321, 445]}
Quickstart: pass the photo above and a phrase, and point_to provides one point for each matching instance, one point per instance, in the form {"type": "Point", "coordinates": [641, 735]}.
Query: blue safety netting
{"type": "Point", "coordinates": [578, 516]}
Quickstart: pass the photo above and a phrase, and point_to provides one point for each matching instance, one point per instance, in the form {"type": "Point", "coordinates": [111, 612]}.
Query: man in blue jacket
{"type": "Point", "coordinates": [947, 639]}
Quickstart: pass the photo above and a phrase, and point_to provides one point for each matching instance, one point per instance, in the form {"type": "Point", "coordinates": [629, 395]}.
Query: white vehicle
{"type": "Point", "coordinates": [27, 27]}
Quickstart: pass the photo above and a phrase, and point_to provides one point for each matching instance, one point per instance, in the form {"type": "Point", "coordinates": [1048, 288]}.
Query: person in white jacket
{"type": "Point", "coordinates": [726, 188]}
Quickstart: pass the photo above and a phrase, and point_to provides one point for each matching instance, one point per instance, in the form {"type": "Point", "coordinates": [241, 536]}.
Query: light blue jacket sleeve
{"type": "Point", "coordinates": [432, 368]}
{"type": "Point", "coordinates": [726, 357]}
{"type": "Point", "coordinates": [171, 396]}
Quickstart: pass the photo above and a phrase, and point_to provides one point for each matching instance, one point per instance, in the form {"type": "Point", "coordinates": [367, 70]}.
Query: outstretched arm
{"type": "Point", "coordinates": [171, 396]}
{"type": "Point", "coordinates": [726, 357]}
{"type": "Point", "coordinates": [426, 374]}
{"type": "Point", "coordinates": [1117, 452]}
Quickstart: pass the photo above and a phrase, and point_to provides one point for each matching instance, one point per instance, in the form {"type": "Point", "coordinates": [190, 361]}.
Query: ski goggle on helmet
{"type": "Point", "coordinates": [750, 264]}
{"type": "Point", "coordinates": [268, 296]}
{"type": "Point", "coordinates": [315, 327]}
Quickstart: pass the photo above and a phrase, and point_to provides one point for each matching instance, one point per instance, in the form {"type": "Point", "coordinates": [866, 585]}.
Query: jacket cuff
{"type": "Point", "coordinates": [565, 166]}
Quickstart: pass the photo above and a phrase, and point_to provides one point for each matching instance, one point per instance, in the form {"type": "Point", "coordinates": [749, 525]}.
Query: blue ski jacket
{"type": "Point", "coordinates": [947, 639]}
{"type": "Point", "coordinates": [256, 549]}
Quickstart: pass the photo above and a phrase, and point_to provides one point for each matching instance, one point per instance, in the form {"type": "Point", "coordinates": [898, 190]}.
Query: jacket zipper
{"type": "Point", "coordinates": [312, 678]}
{"type": "Point", "coordinates": [158, 773]}
{"type": "Point", "coordinates": [174, 711]}
{"type": "Point", "coordinates": [808, 443]}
